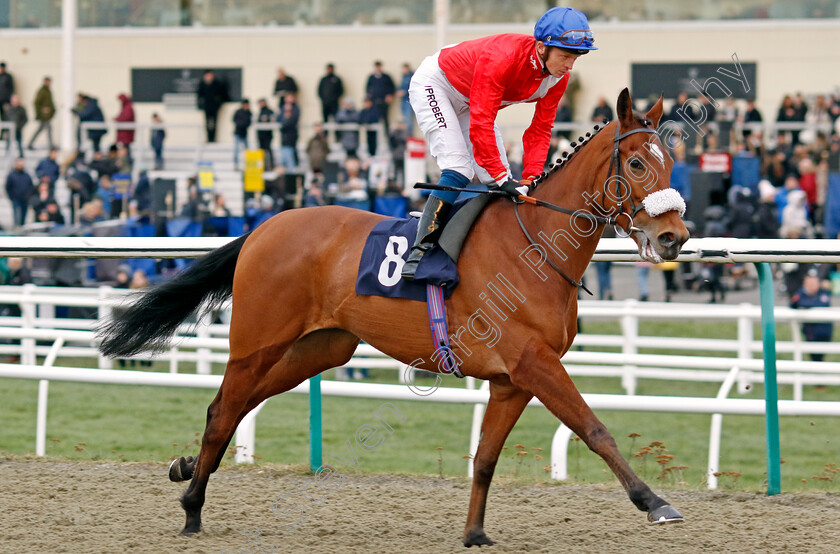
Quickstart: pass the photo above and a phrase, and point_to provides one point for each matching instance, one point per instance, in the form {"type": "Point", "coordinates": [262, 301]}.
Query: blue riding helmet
{"type": "Point", "coordinates": [565, 28]}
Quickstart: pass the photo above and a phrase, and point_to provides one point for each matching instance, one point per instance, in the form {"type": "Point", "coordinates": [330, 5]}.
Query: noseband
{"type": "Point", "coordinates": [615, 161]}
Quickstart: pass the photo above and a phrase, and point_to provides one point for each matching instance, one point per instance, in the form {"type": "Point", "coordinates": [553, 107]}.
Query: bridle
{"type": "Point", "coordinates": [615, 161]}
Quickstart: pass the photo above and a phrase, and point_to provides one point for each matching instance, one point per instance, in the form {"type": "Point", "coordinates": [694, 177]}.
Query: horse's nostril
{"type": "Point", "coordinates": [667, 239]}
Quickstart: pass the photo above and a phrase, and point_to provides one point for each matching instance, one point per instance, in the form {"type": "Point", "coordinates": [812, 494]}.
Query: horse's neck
{"type": "Point", "coordinates": [572, 188]}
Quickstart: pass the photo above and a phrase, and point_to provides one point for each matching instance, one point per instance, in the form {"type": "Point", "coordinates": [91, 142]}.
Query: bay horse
{"type": "Point", "coordinates": [296, 313]}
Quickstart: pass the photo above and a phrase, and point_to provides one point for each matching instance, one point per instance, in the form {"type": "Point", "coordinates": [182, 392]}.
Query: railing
{"type": "Point", "coordinates": [709, 249]}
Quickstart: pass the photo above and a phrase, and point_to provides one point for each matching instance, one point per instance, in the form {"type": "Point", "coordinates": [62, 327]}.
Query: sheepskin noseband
{"type": "Point", "coordinates": [665, 200]}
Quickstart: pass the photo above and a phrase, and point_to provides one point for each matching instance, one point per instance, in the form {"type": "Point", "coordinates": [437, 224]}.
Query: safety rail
{"type": "Point", "coordinates": [713, 250]}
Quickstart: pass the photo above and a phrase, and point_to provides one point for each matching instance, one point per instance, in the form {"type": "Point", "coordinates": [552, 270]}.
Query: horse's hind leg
{"type": "Point", "coordinates": [248, 382]}
{"type": "Point", "coordinates": [540, 372]}
{"type": "Point", "coordinates": [503, 410]}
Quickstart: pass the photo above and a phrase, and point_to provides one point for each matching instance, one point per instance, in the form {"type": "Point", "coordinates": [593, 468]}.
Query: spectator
{"type": "Point", "coordinates": [348, 115]}
{"type": "Point", "coordinates": [602, 111]}
{"type": "Point", "coordinates": [711, 111]}
{"type": "Point", "coordinates": [808, 183]}
{"type": "Point", "coordinates": [315, 194]}
{"type": "Point", "coordinates": [767, 213]}
{"type": "Point", "coordinates": [220, 208]}
{"type": "Point", "coordinates": [44, 112]}
{"type": "Point", "coordinates": [288, 118]}
{"type": "Point", "coordinates": [265, 136]}
{"type": "Point", "coordinates": [330, 91]}
{"type": "Point", "coordinates": [82, 188]}
{"type": "Point", "coordinates": [712, 273]}
{"type": "Point", "coordinates": [787, 112]}
{"type": "Point", "coordinates": [92, 212]}
{"type": "Point", "coordinates": [212, 93]}
{"type": "Point", "coordinates": [380, 89]}
{"type": "Point", "coordinates": [19, 274]}
{"type": "Point", "coordinates": [103, 165]}
{"type": "Point", "coordinates": [123, 160]}
{"type": "Point", "coordinates": [158, 134]}
{"type": "Point", "coordinates": [123, 280]}
{"type": "Point", "coordinates": [811, 296]}
{"type": "Point", "coordinates": [139, 280]}
{"type": "Point", "coordinates": [741, 212]}
{"type": "Point", "coordinates": [564, 115]}
{"type": "Point", "coordinates": [729, 111]}
{"type": "Point", "coordinates": [642, 274]}
{"type": "Point", "coordinates": [105, 192]}
{"type": "Point", "coordinates": [397, 139]}
{"type": "Point", "coordinates": [669, 270]}
{"type": "Point", "coordinates": [40, 198]}
{"type": "Point", "coordinates": [7, 89]}
{"type": "Point", "coordinates": [405, 104]}
{"type": "Point", "coordinates": [194, 208]}
{"type": "Point", "coordinates": [795, 223]}
{"type": "Point", "coordinates": [89, 111]}
{"type": "Point", "coordinates": [751, 115]}
{"type": "Point", "coordinates": [142, 194]}
{"type": "Point", "coordinates": [370, 116]}
{"type": "Point", "coordinates": [603, 270]}
{"type": "Point", "coordinates": [241, 123]}
{"type": "Point", "coordinates": [19, 188]}
{"type": "Point", "coordinates": [266, 211]}
{"type": "Point", "coordinates": [353, 187]}
{"type": "Point", "coordinates": [49, 167]}
{"type": "Point", "coordinates": [16, 114]}
{"type": "Point", "coordinates": [317, 149]}
{"type": "Point", "coordinates": [680, 104]}
{"type": "Point", "coordinates": [283, 86]}
{"type": "Point", "coordinates": [125, 136]}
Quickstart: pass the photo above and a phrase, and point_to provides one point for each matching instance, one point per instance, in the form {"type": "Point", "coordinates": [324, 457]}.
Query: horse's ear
{"type": "Point", "coordinates": [624, 109]}
{"type": "Point", "coordinates": [655, 113]}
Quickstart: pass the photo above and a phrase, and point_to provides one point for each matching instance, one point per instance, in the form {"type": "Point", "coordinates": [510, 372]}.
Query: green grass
{"type": "Point", "coordinates": [134, 423]}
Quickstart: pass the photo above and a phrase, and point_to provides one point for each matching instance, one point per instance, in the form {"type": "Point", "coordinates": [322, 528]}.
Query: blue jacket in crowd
{"type": "Point", "coordinates": [814, 331]}
{"type": "Point", "coordinates": [19, 186]}
{"type": "Point", "coordinates": [47, 167]}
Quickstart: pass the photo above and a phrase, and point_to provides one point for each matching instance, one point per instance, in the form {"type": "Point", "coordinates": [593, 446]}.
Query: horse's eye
{"type": "Point", "coordinates": [636, 163]}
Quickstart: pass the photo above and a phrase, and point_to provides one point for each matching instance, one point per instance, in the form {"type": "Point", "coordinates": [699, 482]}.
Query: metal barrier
{"type": "Point", "coordinates": [708, 249]}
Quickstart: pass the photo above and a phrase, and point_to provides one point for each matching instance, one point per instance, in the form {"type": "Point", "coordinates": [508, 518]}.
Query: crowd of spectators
{"type": "Point", "coordinates": [789, 194]}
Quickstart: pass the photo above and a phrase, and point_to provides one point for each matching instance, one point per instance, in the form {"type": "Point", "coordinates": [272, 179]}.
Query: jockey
{"type": "Point", "coordinates": [457, 92]}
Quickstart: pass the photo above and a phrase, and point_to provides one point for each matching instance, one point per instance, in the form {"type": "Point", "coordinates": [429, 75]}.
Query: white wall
{"type": "Point", "coordinates": [791, 55]}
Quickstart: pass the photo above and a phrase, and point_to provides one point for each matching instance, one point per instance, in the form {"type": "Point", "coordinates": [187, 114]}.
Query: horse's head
{"type": "Point", "coordinates": [639, 182]}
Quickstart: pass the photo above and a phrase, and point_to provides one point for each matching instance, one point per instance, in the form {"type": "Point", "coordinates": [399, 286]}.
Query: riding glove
{"type": "Point", "coordinates": [514, 188]}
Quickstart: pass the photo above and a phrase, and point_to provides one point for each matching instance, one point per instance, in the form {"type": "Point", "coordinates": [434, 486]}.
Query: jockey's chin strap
{"type": "Point", "coordinates": [615, 161]}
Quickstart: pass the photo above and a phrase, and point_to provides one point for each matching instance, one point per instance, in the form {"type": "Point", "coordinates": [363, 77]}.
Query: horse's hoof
{"type": "Point", "coordinates": [477, 538]}
{"type": "Point", "coordinates": [187, 532]}
{"type": "Point", "coordinates": [181, 470]}
{"type": "Point", "coordinates": [665, 514]}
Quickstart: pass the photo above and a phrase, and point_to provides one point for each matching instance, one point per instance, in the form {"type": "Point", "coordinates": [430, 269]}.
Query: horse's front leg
{"type": "Point", "coordinates": [503, 410]}
{"type": "Point", "coordinates": [540, 372]}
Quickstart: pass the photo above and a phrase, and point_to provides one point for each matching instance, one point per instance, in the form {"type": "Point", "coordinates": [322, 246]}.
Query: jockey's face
{"type": "Point", "coordinates": [557, 61]}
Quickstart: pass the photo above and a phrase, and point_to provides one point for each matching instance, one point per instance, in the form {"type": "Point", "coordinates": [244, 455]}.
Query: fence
{"type": "Point", "coordinates": [714, 250]}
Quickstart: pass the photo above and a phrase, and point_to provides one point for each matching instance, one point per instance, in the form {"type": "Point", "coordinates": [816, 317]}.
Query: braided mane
{"type": "Point", "coordinates": [567, 155]}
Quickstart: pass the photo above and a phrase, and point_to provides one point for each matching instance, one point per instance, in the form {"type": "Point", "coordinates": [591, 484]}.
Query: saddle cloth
{"type": "Point", "coordinates": [387, 247]}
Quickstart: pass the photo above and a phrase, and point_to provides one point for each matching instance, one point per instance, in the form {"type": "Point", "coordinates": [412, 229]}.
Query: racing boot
{"type": "Point", "coordinates": [428, 232]}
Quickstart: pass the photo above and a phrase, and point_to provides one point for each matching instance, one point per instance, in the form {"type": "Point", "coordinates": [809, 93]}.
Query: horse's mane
{"type": "Point", "coordinates": [582, 141]}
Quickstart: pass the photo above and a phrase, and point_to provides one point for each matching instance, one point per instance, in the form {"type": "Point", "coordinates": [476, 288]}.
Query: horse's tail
{"type": "Point", "coordinates": [150, 322]}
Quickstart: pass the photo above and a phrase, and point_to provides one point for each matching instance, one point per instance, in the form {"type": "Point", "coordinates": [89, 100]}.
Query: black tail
{"type": "Point", "coordinates": [152, 320]}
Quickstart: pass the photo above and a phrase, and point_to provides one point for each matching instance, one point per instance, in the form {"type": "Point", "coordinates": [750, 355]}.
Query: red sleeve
{"type": "Point", "coordinates": [537, 136]}
{"type": "Point", "coordinates": [488, 86]}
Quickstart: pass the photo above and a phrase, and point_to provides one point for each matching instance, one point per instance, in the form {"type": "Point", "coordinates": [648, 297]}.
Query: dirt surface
{"type": "Point", "coordinates": [53, 506]}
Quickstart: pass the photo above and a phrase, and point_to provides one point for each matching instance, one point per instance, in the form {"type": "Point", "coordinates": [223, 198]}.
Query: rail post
{"type": "Point", "coordinates": [771, 392]}
{"type": "Point", "coordinates": [630, 332]}
{"type": "Point", "coordinates": [315, 430]}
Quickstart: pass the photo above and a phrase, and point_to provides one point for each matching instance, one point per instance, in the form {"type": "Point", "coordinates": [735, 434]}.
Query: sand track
{"type": "Point", "coordinates": [56, 506]}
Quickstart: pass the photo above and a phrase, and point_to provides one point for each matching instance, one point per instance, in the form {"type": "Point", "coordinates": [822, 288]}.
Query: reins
{"type": "Point", "coordinates": [615, 161]}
